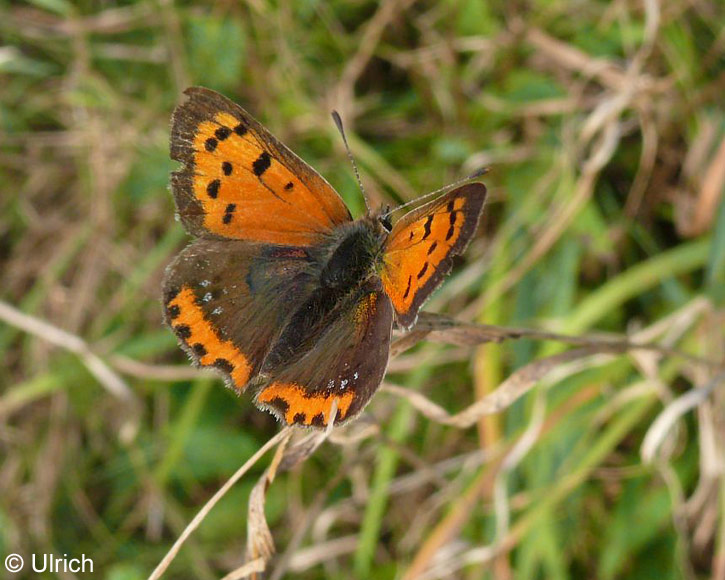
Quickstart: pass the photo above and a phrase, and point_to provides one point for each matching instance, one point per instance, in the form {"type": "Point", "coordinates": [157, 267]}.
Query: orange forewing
{"type": "Point", "coordinates": [419, 252]}
{"type": "Point", "coordinates": [239, 182]}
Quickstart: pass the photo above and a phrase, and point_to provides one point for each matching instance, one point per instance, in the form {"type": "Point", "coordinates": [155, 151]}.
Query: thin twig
{"type": "Point", "coordinates": [440, 328]}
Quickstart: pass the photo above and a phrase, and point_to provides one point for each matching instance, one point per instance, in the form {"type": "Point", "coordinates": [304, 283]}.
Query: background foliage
{"type": "Point", "coordinates": [604, 128]}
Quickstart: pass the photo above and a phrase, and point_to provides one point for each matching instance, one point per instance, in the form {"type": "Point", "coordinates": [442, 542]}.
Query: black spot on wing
{"type": "Point", "coordinates": [281, 405]}
{"type": "Point", "coordinates": [229, 212]}
{"type": "Point", "coordinates": [318, 420]}
{"type": "Point", "coordinates": [224, 365]}
{"type": "Point", "coordinates": [426, 227]}
{"type": "Point", "coordinates": [407, 290]}
{"type": "Point", "coordinates": [210, 144]}
{"type": "Point", "coordinates": [171, 294]}
{"type": "Point", "coordinates": [212, 189]}
{"type": "Point", "coordinates": [423, 271]}
{"type": "Point", "coordinates": [227, 168]}
{"type": "Point", "coordinates": [222, 133]}
{"type": "Point", "coordinates": [452, 221]}
{"type": "Point", "coordinates": [261, 164]}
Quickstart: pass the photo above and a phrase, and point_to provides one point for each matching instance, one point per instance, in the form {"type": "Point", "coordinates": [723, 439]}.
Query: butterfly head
{"type": "Point", "coordinates": [384, 218]}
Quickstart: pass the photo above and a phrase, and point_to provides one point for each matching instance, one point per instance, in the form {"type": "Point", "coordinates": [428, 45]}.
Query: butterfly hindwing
{"type": "Point", "coordinates": [347, 363]}
{"type": "Point", "coordinates": [419, 251]}
{"type": "Point", "coordinates": [239, 182]}
{"type": "Point", "coordinates": [227, 300]}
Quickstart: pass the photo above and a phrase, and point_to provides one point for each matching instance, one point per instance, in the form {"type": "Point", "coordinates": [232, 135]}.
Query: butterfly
{"type": "Point", "coordinates": [282, 291]}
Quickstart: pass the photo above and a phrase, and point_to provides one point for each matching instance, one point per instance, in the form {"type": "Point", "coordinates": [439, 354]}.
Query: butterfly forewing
{"type": "Point", "coordinates": [419, 251]}
{"type": "Point", "coordinates": [239, 182]}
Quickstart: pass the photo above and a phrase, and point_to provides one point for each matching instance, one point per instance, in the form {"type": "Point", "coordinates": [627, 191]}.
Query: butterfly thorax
{"type": "Point", "coordinates": [354, 255]}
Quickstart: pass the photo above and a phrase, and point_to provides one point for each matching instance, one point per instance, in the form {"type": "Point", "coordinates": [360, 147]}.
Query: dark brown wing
{"type": "Point", "coordinates": [239, 182]}
{"type": "Point", "coordinates": [228, 300]}
{"type": "Point", "coordinates": [346, 362]}
{"type": "Point", "coordinates": [420, 249]}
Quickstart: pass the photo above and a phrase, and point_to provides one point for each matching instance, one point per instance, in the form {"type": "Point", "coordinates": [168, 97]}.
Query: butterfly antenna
{"type": "Point", "coordinates": [475, 175]}
{"type": "Point", "coordinates": [338, 122]}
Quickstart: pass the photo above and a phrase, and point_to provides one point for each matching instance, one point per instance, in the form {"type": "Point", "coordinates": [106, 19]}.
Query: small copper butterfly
{"type": "Point", "coordinates": [282, 291]}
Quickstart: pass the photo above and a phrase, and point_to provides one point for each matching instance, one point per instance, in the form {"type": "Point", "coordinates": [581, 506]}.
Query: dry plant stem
{"type": "Point", "coordinates": [320, 553]}
{"type": "Point", "coordinates": [164, 564]}
{"type": "Point", "coordinates": [520, 449]}
{"type": "Point", "coordinates": [432, 326]}
{"type": "Point", "coordinates": [440, 328]}
{"type": "Point", "coordinates": [175, 46]}
{"type": "Point", "coordinates": [601, 132]}
{"type": "Point", "coordinates": [648, 159]}
{"type": "Point", "coordinates": [559, 223]}
{"type": "Point", "coordinates": [260, 544]}
{"type": "Point", "coordinates": [246, 570]}
{"type": "Point", "coordinates": [109, 380]}
{"type": "Point", "coordinates": [513, 388]}
{"type": "Point", "coordinates": [664, 423]}
{"type": "Point", "coordinates": [711, 193]}
{"type": "Point", "coordinates": [403, 485]}
{"type": "Point", "coordinates": [523, 380]}
{"type": "Point", "coordinates": [674, 411]}
{"type": "Point", "coordinates": [141, 370]}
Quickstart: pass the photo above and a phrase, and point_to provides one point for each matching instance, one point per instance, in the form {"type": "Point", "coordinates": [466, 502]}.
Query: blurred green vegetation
{"type": "Point", "coordinates": [604, 128]}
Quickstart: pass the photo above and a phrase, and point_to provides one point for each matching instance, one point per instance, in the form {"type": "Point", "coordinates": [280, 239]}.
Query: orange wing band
{"type": "Point", "coordinates": [301, 407]}
{"type": "Point", "coordinates": [187, 320]}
